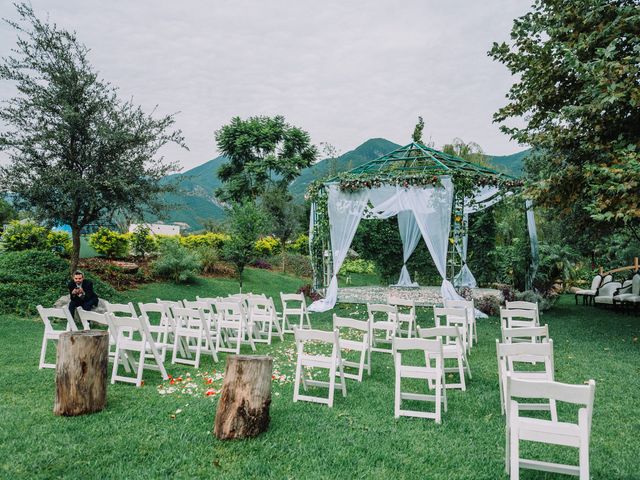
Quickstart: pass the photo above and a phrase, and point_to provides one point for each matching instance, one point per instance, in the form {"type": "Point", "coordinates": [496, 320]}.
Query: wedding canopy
{"type": "Point", "coordinates": [416, 184]}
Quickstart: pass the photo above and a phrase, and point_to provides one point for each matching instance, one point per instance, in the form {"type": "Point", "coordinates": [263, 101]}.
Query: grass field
{"type": "Point", "coordinates": [145, 434]}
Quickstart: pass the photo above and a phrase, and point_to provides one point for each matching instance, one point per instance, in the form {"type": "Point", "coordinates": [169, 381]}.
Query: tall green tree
{"type": "Point", "coordinates": [246, 224]}
{"type": "Point", "coordinates": [578, 64]}
{"type": "Point", "coordinates": [283, 215]}
{"type": "Point", "coordinates": [262, 151]}
{"type": "Point", "coordinates": [416, 137]}
{"type": "Point", "coordinates": [78, 154]}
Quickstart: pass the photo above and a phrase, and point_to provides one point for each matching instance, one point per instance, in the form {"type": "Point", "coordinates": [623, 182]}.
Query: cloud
{"type": "Point", "coordinates": [344, 71]}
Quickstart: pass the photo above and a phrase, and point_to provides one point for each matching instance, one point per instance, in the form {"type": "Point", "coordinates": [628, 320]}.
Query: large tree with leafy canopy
{"type": "Point", "coordinates": [78, 154]}
{"type": "Point", "coordinates": [262, 151]}
{"type": "Point", "coordinates": [578, 65]}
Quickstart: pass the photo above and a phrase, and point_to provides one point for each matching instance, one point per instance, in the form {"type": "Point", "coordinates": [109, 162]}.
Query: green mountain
{"type": "Point", "coordinates": [511, 164]}
{"type": "Point", "coordinates": [369, 150]}
{"type": "Point", "coordinates": [195, 202]}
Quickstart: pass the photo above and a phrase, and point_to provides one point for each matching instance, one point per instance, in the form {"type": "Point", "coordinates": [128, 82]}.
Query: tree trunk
{"type": "Point", "coordinates": [283, 248]}
{"type": "Point", "coordinates": [243, 409]}
{"type": "Point", "coordinates": [81, 372]}
{"type": "Point", "coordinates": [75, 254]}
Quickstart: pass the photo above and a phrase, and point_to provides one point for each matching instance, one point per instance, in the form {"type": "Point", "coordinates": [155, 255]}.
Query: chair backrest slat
{"type": "Point", "coordinates": [562, 392]}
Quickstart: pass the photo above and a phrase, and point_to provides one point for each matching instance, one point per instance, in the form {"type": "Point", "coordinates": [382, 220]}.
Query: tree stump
{"type": "Point", "coordinates": [81, 372]}
{"type": "Point", "coordinates": [243, 408]}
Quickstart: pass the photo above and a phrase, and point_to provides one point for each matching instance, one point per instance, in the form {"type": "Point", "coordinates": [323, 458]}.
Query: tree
{"type": "Point", "coordinates": [578, 64]}
{"type": "Point", "coordinates": [417, 131]}
{"type": "Point", "coordinates": [246, 224]}
{"type": "Point", "coordinates": [284, 216]}
{"type": "Point", "coordinates": [261, 151]}
{"type": "Point", "coordinates": [78, 154]}
{"type": "Point", "coordinates": [471, 151]}
{"type": "Point", "coordinates": [7, 213]}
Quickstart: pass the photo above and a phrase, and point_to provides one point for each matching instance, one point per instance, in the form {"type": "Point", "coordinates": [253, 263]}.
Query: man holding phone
{"type": "Point", "coordinates": [81, 292]}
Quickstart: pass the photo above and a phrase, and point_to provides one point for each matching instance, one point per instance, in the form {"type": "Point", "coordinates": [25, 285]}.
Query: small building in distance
{"type": "Point", "coordinates": [157, 228]}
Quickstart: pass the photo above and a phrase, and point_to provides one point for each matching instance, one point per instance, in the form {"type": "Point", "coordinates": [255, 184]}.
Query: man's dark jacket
{"type": "Point", "coordinates": [87, 286]}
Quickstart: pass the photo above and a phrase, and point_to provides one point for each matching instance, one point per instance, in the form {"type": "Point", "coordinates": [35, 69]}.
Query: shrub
{"type": "Point", "coordinates": [358, 265]}
{"type": "Point", "coordinates": [142, 242]}
{"type": "Point", "coordinates": [545, 302]}
{"type": "Point", "coordinates": [59, 242]}
{"type": "Point", "coordinates": [20, 236]}
{"type": "Point", "coordinates": [33, 277]}
{"type": "Point", "coordinates": [267, 245]}
{"type": "Point", "coordinates": [296, 265]}
{"type": "Point", "coordinates": [300, 245]}
{"type": "Point", "coordinates": [263, 264]}
{"type": "Point", "coordinates": [210, 239]}
{"type": "Point", "coordinates": [109, 243]}
{"type": "Point", "coordinates": [211, 264]}
{"type": "Point", "coordinates": [489, 304]}
{"type": "Point", "coordinates": [309, 292]}
{"type": "Point", "coordinates": [176, 263]}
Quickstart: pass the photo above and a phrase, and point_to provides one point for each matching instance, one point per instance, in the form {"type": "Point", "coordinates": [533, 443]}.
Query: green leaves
{"type": "Point", "coordinates": [261, 151]}
{"type": "Point", "coordinates": [578, 65]}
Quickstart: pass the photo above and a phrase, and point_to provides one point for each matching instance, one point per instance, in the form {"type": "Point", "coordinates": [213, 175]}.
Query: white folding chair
{"type": "Point", "coordinates": [569, 434]}
{"type": "Point", "coordinates": [133, 337]}
{"type": "Point", "coordinates": [454, 317]}
{"type": "Point", "coordinates": [514, 318]}
{"type": "Point", "coordinates": [87, 316]}
{"type": "Point", "coordinates": [382, 319]}
{"type": "Point", "coordinates": [432, 372]}
{"type": "Point", "coordinates": [406, 315]}
{"type": "Point", "coordinates": [234, 328]}
{"type": "Point", "coordinates": [346, 328]}
{"type": "Point", "coordinates": [294, 305]}
{"type": "Point", "coordinates": [210, 313]}
{"type": "Point", "coordinates": [521, 360]}
{"type": "Point", "coordinates": [262, 315]}
{"type": "Point", "coordinates": [51, 333]}
{"type": "Point", "coordinates": [312, 360]}
{"type": "Point", "coordinates": [162, 327]}
{"type": "Point", "coordinates": [521, 305]}
{"type": "Point", "coordinates": [191, 327]}
{"type": "Point", "coordinates": [525, 334]}
{"type": "Point", "coordinates": [452, 349]}
{"type": "Point", "coordinates": [470, 308]}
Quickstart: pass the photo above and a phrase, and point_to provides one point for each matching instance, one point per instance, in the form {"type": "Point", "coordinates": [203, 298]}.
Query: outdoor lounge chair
{"type": "Point", "coordinates": [604, 295]}
{"type": "Point", "coordinates": [588, 294]}
{"type": "Point", "coordinates": [629, 294]}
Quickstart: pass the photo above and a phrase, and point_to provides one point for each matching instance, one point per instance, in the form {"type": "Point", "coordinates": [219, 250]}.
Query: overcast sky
{"type": "Point", "coordinates": [345, 71]}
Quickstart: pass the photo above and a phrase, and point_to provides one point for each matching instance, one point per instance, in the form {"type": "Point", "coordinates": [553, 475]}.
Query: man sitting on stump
{"type": "Point", "coordinates": [81, 292]}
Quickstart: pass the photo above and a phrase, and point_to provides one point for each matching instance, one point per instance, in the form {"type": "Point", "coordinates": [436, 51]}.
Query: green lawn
{"type": "Point", "coordinates": [143, 434]}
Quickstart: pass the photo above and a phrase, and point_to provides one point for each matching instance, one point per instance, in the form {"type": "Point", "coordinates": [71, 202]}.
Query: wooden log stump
{"type": "Point", "coordinates": [243, 408]}
{"type": "Point", "coordinates": [81, 372]}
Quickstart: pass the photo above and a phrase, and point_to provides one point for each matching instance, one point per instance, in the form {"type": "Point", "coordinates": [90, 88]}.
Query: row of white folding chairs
{"type": "Point", "coordinates": [529, 346]}
{"type": "Point", "coordinates": [449, 346]}
{"type": "Point", "coordinates": [128, 335]}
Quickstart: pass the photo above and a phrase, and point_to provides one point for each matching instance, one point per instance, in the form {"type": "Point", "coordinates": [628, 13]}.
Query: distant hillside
{"type": "Point", "coordinates": [369, 150]}
{"type": "Point", "coordinates": [512, 164]}
{"type": "Point", "coordinates": [195, 202]}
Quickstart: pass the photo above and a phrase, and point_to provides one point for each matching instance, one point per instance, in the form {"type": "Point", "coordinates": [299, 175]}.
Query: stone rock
{"type": "Point", "coordinates": [63, 301]}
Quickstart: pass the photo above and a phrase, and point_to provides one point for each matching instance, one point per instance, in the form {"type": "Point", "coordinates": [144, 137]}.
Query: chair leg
{"type": "Point", "coordinates": [514, 454]}
{"type": "Point", "coordinates": [461, 372]}
{"type": "Point", "coordinates": [43, 352]}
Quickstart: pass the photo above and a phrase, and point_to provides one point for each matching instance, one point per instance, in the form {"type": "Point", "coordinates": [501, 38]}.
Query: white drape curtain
{"type": "Point", "coordinates": [482, 198]}
{"type": "Point", "coordinates": [410, 235]}
{"type": "Point", "coordinates": [345, 212]}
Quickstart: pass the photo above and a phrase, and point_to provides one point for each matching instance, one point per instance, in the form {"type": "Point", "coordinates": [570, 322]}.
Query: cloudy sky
{"type": "Point", "coordinates": [345, 71]}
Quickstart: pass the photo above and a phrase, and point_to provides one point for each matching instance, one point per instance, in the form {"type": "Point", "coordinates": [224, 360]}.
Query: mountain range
{"type": "Point", "coordinates": [195, 201]}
